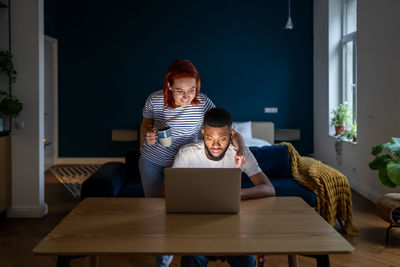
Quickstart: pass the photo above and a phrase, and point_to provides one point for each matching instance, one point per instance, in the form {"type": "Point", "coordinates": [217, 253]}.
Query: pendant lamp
{"type": "Point", "coordinates": [289, 23]}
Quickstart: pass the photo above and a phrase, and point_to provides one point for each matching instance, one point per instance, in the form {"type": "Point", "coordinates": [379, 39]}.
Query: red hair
{"type": "Point", "coordinates": [180, 69]}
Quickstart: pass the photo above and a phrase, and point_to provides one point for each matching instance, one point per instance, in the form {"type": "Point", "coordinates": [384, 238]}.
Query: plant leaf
{"type": "Point", "coordinates": [393, 171]}
{"type": "Point", "coordinates": [396, 140]}
{"type": "Point", "coordinates": [380, 162]}
{"type": "Point", "coordinates": [394, 148]}
{"type": "Point", "coordinates": [385, 180]}
{"type": "Point", "coordinates": [377, 149]}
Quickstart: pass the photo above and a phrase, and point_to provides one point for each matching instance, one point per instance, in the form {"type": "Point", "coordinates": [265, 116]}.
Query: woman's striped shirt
{"type": "Point", "coordinates": [185, 123]}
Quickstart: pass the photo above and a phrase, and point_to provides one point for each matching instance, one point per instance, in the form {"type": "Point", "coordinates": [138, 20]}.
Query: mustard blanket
{"type": "Point", "coordinates": [329, 185]}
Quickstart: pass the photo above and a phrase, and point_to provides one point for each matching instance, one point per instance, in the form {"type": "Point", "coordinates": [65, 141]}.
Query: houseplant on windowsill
{"type": "Point", "coordinates": [349, 134]}
{"type": "Point", "coordinates": [352, 135]}
{"type": "Point", "coordinates": [10, 106]}
{"type": "Point", "coordinates": [341, 115]}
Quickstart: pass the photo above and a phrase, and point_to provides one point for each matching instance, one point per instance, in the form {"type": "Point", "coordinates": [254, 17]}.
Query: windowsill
{"type": "Point", "coordinates": [345, 140]}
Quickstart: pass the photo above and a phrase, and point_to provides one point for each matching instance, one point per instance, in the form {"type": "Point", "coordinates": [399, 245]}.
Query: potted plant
{"type": "Point", "coordinates": [350, 134]}
{"type": "Point", "coordinates": [10, 106]}
{"type": "Point", "coordinates": [387, 164]}
{"type": "Point", "coordinates": [340, 118]}
{"type": "Point", "coordinates": [353, 132]}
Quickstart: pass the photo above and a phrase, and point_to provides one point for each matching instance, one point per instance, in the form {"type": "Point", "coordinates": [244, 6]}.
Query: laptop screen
{"type": "Point", "coordinates": [202, 190]}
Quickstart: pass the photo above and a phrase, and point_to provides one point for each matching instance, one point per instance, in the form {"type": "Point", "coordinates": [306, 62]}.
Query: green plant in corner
{"type": "Point", "coordinates": [340, 118]}
{"type": "Point", "coordinates": [388, 165]}
{"type": "Point", "coordinates": [9, 104]}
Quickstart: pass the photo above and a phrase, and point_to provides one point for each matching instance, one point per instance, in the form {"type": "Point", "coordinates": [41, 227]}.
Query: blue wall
{"type": "Point", "coordinates": [113, 54]}
{"type": "Point", "coordinates": [50, 17]}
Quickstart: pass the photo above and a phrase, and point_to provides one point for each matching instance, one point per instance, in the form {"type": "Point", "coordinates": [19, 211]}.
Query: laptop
{"type": "Point", "coordinates": [202, 190]}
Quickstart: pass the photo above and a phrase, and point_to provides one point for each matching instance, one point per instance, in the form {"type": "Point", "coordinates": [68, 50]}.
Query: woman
{"type": "Point", "coordinates": [180, 106]}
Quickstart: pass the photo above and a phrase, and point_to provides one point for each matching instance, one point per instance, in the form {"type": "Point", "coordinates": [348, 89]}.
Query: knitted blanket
{"type": "Point", "coordinates": [331, 188]}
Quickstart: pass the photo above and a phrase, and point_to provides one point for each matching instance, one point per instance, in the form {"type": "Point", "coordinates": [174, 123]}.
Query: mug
{"type": "Point", "coordinates": [165, 136]}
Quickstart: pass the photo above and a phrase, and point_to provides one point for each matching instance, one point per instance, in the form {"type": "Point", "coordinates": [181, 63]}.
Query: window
{"type": "Point", "coordinates": [349, 58]}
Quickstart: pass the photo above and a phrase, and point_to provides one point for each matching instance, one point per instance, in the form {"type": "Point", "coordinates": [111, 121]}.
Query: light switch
{"type": "Point", "coordinates": [270, 110]}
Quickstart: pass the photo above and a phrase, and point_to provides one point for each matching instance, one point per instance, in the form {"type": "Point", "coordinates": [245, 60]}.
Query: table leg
{"type": "Point", "coordinates": [322, 260]}
{"type": "Point", "coordinates": [293, 261]}
{"type": "Point", "coordinates": [63, 261]}
{"type": "Point", "coordinates": [387, 233]}
{"type": "Point", "coordinates": [94, 261]}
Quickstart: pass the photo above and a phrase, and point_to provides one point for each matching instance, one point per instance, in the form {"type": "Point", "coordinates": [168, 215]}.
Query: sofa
{"type": "Point", "coordinates": [115, 179]}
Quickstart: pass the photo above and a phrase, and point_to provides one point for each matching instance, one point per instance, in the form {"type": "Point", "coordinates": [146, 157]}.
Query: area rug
{"type": "Point", "coordinates": [73, 177]}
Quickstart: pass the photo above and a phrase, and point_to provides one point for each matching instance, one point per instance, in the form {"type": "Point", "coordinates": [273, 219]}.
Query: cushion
{"type": "Point", "coordinates": [105, 182]}
{"type": "Point", "coordinates": [274, 161]}
{"type": "Point", "coordinates": [134, 189]}
{"type": "Point", "coordinates": [286, 187]}
{"type": "Point", "coordinates": [244, 128]}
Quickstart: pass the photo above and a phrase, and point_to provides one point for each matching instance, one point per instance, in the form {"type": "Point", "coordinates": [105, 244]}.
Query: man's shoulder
{"type": "Point", "coordinates": [192, 147]}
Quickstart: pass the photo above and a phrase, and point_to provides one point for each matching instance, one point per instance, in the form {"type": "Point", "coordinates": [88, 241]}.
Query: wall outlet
{"type": "Point", "coordinates": [270, 110]}
{"type": "Point", "coordinates": [19, 125]}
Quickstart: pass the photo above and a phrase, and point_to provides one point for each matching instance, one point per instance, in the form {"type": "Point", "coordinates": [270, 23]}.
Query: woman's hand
{"type": "Point", "coordinates": [238, 142]}
{"type": "Point", "coordinates": [151, 136]}
{"type": "Point", "coordinates": [240, 159]}
{"type": "Point", "coordinates": [148, 133]}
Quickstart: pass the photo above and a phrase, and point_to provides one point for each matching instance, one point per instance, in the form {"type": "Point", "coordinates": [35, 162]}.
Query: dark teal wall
{"type": "Point", "coordinates": [113, 54]}
{"type": "Point", "coordinates": [50, 17]}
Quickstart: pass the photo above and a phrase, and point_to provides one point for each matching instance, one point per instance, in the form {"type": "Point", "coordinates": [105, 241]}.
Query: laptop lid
{"type": "Point", "coordinates": [202, 190]}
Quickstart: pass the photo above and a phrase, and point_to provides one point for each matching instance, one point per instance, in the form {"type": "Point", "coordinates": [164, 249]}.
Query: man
{"type": "Point", "coordinates": [216, 151]}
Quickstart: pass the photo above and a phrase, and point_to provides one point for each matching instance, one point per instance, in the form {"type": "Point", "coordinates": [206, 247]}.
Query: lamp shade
{"type": "Point", "coordinates": [289, 24]}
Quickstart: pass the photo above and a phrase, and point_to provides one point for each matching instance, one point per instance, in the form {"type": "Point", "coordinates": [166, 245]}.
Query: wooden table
{"type": "Point", "coordinates": [106, 226]}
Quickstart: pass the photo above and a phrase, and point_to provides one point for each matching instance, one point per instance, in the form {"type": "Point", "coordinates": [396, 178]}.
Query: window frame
{"type": "Point", "coordinates": [345, 39]}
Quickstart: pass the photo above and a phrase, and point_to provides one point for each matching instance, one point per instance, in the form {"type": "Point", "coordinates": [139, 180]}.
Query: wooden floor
{"type": "Point", "coordinates": [19, 236]}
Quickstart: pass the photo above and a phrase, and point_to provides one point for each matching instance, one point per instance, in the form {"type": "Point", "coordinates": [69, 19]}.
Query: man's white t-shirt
{"type": "Point", "coordinates": [194, 156]}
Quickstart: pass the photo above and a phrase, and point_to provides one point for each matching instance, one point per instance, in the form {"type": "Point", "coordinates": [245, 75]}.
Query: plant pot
{"type": "Point", "coordinates": [339, 129]}
{"type": "Point", "coordinates": [388, 207]}
{"type": "Point", "coordinates": [354, 139]}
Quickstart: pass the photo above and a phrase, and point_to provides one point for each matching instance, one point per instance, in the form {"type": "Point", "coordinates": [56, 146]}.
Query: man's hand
{"type": "Point", "coordinates": [151, 137]}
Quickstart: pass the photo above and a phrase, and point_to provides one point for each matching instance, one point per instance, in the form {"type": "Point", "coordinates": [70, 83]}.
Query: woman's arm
{"type": "Point", "coordinates": [147, 132]}
{"type": "Point", "coordinates": [238, 142]}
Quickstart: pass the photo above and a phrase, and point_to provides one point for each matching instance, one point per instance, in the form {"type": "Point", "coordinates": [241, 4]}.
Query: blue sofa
{"type": "Point", "coordinates": [116, 179]}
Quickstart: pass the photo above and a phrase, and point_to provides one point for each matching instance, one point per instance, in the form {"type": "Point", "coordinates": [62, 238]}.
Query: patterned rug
{"type": "Point", "coordinates": [73, 177]}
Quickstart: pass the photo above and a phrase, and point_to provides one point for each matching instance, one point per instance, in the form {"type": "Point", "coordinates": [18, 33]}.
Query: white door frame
{"type": "Point", "coordinates": [54, 47]}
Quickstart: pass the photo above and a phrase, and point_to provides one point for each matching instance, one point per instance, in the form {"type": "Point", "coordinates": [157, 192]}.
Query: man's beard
{"type": "Point", "coordinates": [212, 157]}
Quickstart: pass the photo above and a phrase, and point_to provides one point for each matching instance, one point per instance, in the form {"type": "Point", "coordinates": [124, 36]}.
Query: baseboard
{"type": "Point", "coordinates": [27, 212]}
{"type": "Point", "coordinates": [366, 192]}
{"type": "Point", "coordinates": [73, 161]}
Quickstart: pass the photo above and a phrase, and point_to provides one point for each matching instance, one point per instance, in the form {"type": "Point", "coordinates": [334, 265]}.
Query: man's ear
{"type": "Point", "coordinates": [202, 131]}
{"type": "Point", "coordinates": [232, 132]}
